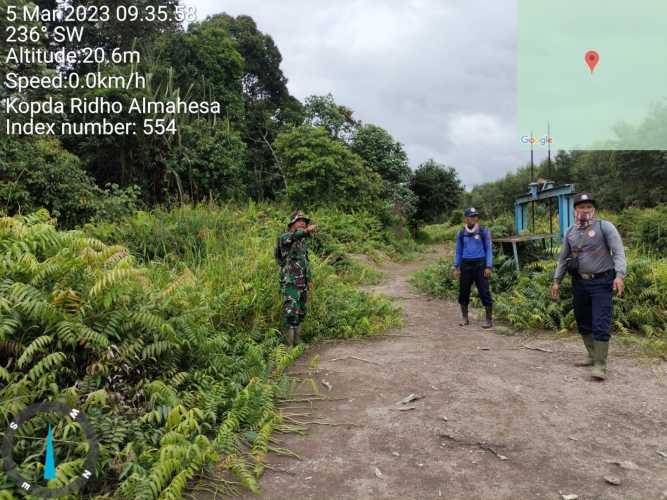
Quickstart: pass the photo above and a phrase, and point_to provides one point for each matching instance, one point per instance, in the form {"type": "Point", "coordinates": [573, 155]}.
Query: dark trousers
{"type": "Point", "coordinates": [473, 271]}
{"type": "Point", "coordinates": [592, 300]}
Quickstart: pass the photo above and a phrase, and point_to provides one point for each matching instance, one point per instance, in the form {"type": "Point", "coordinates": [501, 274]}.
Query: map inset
{"type": "Point", "coordinates": [595, 70]}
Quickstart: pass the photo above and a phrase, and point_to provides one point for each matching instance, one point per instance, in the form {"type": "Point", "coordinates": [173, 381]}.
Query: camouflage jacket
{"type": "Point", "coordinates": [295, 267]}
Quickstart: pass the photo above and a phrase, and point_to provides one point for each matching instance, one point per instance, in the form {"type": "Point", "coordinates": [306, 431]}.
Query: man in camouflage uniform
{"type": "Point", "coordinates": [292, 255]}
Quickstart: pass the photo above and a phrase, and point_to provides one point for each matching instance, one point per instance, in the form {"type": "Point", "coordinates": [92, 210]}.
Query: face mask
{"type": "Point", "coordinates": [583, 219]}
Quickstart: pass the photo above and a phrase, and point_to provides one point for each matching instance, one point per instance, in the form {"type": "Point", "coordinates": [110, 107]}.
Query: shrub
{"type": "Point", "coordinates": [40, 173]}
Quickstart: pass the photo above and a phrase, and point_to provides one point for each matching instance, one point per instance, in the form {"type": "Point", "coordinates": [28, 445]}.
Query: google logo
{"type": "Point", "coordinates": [535, 140]}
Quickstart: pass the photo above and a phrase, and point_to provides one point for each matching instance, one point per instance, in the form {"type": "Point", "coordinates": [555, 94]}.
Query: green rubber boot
{"type": "Point", "coordinates": [291, 335]}
{"type": "Point", "coordinates": [600, 351]}
{"type": "Point", "coordinates": [297, 335]}
{"type": "Point", "coordinates": [588, 342]}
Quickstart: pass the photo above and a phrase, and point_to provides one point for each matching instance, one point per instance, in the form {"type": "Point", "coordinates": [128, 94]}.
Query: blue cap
{"type": "Point", "coordinates": [471, 212]}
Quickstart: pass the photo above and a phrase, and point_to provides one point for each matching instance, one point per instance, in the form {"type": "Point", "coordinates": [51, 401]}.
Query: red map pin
{"type": "Point", "coordinates": [592, 58]}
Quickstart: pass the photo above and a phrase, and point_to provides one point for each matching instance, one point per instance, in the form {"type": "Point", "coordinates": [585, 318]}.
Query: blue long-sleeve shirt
{"type": "Point", "coordinates": [476, 246]}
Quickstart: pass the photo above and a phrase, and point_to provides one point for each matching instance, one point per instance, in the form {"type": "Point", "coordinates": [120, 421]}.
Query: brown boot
{"type": "Point", "coordinates": [488, 322]}
{"type": "Point", "coordinates": [464, 312]}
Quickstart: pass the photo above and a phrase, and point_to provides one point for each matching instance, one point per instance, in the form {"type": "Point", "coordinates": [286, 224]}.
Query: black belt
{"type": "Point", "coordinates": [474, 261]}
{"type": "Point", "coordinates": [590, 276]}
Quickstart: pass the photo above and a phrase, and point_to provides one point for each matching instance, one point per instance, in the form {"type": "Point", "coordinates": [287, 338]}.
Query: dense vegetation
{"type": "Point", "coordinates": [164, 328]}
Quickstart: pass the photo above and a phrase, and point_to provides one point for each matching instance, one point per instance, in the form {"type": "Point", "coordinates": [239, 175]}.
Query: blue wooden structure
{"type": "Point", "coordinates": [564, 194]}
{"type": "Point", "coordinates": [539, 193]}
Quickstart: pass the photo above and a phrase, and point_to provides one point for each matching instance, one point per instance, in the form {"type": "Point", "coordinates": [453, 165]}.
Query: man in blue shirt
{"type": "Point", "coordinates": [473, 263]}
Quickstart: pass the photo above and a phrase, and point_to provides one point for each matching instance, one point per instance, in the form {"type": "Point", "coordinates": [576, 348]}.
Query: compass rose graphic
{"type": "Point", "coordinates": [86, 441]}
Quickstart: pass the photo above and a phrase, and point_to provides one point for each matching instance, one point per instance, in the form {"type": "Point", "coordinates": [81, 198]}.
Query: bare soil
{"type": "Point", "coordinates": [493, 420]}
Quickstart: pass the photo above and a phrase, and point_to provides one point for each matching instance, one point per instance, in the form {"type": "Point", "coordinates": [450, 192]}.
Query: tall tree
{"type": "Point", "coordinates": [382, 152]}
{"type": "Point", "coordinates": [438, 190]}
{"type": "Point", "coordinates": [268, 104]}
{"type": "Point", "coordinates": [337, 120]}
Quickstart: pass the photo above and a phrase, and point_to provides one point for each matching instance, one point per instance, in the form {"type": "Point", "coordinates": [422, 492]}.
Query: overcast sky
{"type": "Point", "coordinates": [439, 75]}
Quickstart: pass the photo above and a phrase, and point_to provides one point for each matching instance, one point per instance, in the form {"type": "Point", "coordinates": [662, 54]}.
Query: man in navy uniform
{"type": "Point", "coordinates": [473, 263]}
{"type": "Point", "coordinates": [593, 254]}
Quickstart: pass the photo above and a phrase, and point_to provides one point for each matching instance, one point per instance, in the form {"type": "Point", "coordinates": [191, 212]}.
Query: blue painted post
{"type": "Point", "coordinates": [518, 218]}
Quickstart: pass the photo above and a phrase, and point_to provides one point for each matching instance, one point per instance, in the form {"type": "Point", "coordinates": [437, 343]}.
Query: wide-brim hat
{"type": "Point", "coordinates": [471, 212]}
{"type": "Point", "coordinates": [297, 215]}
{"type": "Point", "coordinates": [583, 198]}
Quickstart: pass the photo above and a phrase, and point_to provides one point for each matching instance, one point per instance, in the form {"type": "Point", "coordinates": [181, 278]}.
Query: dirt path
{"type": "Point", "coordinates": [556, 427]}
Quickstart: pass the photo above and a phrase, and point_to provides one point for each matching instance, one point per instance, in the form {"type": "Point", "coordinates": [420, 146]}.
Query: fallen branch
{"type": "Point", "coordinates": [315, 422]}
{"type": "Point", "coordinates": [541, 349]}
{"type": "Point", "coordinates": [310, 399]}
{"type": "Point", "coordinates": [358, 359]}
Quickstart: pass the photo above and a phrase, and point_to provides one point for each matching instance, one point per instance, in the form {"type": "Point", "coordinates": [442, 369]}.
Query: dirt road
{"type": "Point", "coordinates": [494, 420]}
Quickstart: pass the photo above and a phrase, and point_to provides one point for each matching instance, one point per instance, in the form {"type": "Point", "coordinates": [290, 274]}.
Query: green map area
{"type": "Point", "coordinates": [623, 103]}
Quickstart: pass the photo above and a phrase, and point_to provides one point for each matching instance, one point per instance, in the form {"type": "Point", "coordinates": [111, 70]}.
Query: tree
{"type": "Point", "coordinates": [39, 173]}
{"type": "Point", "coordinates": [268, 104]}
{"type": "Point", "coordinates": [209, 161]}
{"type": "Point", "coordinates": [207, 66]}
{"type": "Point", "coordinates": [382, 152]}
{"type": "Point", "coordinates": [322, 111]}
{"type": "Point", "coordinates": [438, 190]}
{"type": "Point", "coordinates": [321, 171]}
{"type": "Point", "coordinates": [114, 33]}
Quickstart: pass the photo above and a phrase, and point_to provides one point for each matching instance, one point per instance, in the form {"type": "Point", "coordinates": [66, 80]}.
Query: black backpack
{"type": "Point", "coordinates": [462, 235]}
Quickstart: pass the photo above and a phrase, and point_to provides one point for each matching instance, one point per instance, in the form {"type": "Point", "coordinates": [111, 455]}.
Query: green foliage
{"type": "Point", "coordinates": [324, 112]}
{"type": "Point", "coordinates": [38, 173]}
{"type": "Point", "coordinates": [209, 161]}
{"type": "Point", "coordinates": [438, 190]}
{"type": "Point", "coordinates": [320, 171]}
{"type": "Point", "coordinates": [268, 104]}
{"type": "Point", "coordinates": [438, 233]}
{"type": "Point", "coordinates": [382, 152]}
{"type": "Point", "coordinates": [645, 229]}
{"type": "Point", "coordinates": [207, 51]}
{"type": "Point", "coordinates": [174, 358]}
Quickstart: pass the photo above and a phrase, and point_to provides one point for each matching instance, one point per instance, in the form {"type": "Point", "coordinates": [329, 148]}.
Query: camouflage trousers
{"type": "Point", "coordinates": [294, 305]}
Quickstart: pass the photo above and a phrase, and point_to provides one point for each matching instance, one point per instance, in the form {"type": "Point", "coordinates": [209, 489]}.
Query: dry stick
{"type": "Point", "coordinates": [358, 359]}
{"type": "Point", "coordinates": [283, 451]}
{"type": "Point", "coordinates": [333, 424]}
{"type": "Point", "coordinates": [535, 348]}
{"type": "Point", "coordinates": [311, 399]}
